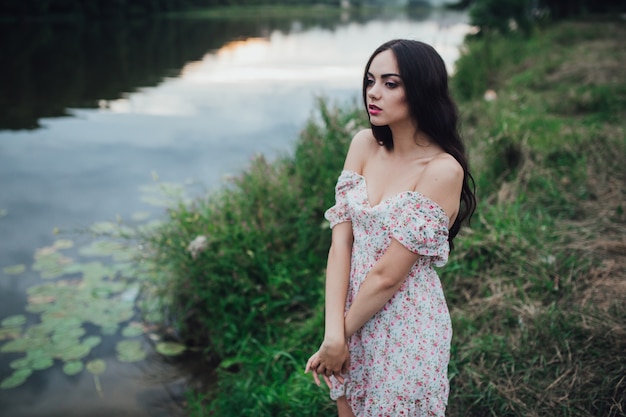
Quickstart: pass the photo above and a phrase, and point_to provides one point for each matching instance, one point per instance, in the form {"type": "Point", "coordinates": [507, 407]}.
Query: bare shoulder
{"type": "Point", "coordinates": [362, 146]}
{"type": "Point", "coordinates": [444, 165]}
{"type": "Point", "coordinates": [442, 181]}
{"type": "Point", "coordinates": [364, 141]}
{"type": "Point", "coordinates": [443, 169]}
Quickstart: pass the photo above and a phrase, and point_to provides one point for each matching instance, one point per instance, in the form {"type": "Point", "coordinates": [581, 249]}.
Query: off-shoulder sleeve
{"type": "Point", "coordinates": [340, 211]}
{"type": "Point", "coordinates": [422, 227]}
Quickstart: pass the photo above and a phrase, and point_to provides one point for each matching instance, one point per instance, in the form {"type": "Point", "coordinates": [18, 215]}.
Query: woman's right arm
{"type": "Point", "coordinates": [340, 253]}
{"type": "Point", "coordinates": [337, 277]}
{"type": "Point", "coordinates": [333, 355]}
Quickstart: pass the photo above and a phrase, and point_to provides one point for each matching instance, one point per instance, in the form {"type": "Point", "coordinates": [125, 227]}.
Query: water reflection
{"type": "Point", "coordinates": [52, 67]}
{"type": "Point", "coordinates": [186, 98]}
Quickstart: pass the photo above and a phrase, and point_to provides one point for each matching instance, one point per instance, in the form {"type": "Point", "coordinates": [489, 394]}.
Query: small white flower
{"type": "Point", "coordinates": [490, 95]}
{"type": "Point", "coordinates": [197, 245]}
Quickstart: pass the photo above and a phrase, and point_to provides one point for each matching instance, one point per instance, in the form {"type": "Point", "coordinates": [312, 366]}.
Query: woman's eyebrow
{"type": "Point", "coordinates": [391, 74]}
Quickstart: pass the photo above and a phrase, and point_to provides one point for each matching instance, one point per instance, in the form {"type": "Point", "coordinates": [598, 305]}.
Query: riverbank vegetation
{"type": "Point", "coordinates": [535, 286]}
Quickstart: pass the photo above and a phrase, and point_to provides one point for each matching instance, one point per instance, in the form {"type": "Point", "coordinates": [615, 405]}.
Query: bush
{"type": "Point", "coordinates": [261, 268]}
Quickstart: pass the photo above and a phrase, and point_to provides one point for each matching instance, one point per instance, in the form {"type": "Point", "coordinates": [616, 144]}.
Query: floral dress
{"type": "Point", "coordinates": [399, 358]}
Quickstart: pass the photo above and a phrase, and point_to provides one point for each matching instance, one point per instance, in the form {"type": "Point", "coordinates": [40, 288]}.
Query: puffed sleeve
{"type": "Point", "coordinates": [422, 227]}
{"type": "Point", "coordinates": [340, 211]}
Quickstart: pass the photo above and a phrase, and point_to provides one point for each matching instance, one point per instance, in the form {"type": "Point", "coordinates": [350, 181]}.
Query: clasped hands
{"type": "Point", "coordinates": [331, 359]}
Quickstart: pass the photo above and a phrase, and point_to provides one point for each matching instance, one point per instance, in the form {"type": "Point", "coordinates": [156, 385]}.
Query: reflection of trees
{"type": "Point", "coordinates": [48, 68]}
{"type": "Point", "coordinates": [102, 8]}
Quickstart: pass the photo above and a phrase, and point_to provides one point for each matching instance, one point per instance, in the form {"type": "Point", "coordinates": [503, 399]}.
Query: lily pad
{"type": "Point", "coordinates": [42, 363]}
{"type": "Point", "coordinates": [45, 251]}
{"type": "Point", "coordinates": [119, 251]}
{"type": "Point", "coordinates": [51, 264]}
{"type": "Point", "coordinates": [92, 341]}
{"type": "Point", "coordinates": [41, 299]}
{"type": "Point", "coordinates": [101, 248]}
{"type": "Point", "coordinates": [75, 352]}
{"type": "Point", "coordinates": [10, 332]}
{"type": "Point", "coordinates": [59, 320]}
{"type": "Point", "coordinates": [95, 271]}
{"type": "Point", "coordinates": [71, 333]}
{"type": "Point", "coordinates": [96, 366]}
{"type": "Point", "coordinates": [37, 331]}
{"type": "Point", "coordinates": [14, 269]}
{"type": "Point", "coordinates": [170, 348]}
{"type": "Point", "coordinates": [20, 363]}
{"type": "Point", "coordinates": [36, 308]}
{"type": "Point", "coordinates": [14, 321]}
{"type": "Point", "coordinates": [132, 330]}
{"type": "Point", "coordinates": [16, 379]}
{"type": "Point", "coordinates": [61, 345]}
{"type": "Point", "coordinates": [41, 290]}
{"type": "Point", "coordinates": [73, 367]}
{"type": "Point", "coordinates": [122, 311]}
{"type": "Point", "coordinates": [63, 244]}
{"type": "Point", "coordinates": [130, 351]}
{"type": "Point", "coordinates": [111, 228]}
{"type": "Point", "coordinates": [16, 345]}
{"type": "Point", "coordinates": [36, 354]}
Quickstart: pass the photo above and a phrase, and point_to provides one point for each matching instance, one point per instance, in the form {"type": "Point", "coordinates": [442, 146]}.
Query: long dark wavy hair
{"type": "Point", "coordinates": [425, 80]}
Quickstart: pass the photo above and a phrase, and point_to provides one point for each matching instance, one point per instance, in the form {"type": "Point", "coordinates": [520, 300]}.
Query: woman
{"type": "Point", "coordinates": [400, 200]}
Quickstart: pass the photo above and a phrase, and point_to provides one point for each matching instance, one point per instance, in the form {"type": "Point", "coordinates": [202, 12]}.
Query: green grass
{"type": "Point", "coordinates": [532, 336]}
{"type": "Point", "coordinates": [535, 285]}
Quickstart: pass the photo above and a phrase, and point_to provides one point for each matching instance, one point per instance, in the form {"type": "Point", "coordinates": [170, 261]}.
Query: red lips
{"type": "Point", "coordinates": [374, 110]}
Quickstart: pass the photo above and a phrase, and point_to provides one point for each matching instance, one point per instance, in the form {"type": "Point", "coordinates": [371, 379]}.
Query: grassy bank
{"type": "Point", "coordinates": [535, 287]}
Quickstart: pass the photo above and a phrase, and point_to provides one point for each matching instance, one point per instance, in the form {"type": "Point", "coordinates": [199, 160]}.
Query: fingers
{"type": "Point", "coordinates": [316, 378]}
{"type": "Point", "coordinates": [308, 367]}
{"type": "Point", "coordinates": [322, 369]}
{"type": "Point", "coordinates": [312, 363]}
{"type": "Point", "coordinates": [318, 367]}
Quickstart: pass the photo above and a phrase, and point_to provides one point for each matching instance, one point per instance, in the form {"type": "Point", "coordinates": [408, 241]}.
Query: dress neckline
{"type": "Point", "coordinates": [385, 200]}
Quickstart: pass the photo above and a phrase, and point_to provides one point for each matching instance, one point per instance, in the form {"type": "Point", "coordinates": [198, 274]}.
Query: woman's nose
{"type": "Point", "coordinates": [373, 91]}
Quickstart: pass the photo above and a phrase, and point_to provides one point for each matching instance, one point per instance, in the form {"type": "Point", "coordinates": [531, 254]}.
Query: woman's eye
{"type": "Point", "coordinates": [369, 82]}
{"type": "Point", "coordinates": [391, 84]}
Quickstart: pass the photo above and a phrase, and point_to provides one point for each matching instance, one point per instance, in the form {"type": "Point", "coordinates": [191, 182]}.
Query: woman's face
{"type": "Point", "coordinates": [385, 94]}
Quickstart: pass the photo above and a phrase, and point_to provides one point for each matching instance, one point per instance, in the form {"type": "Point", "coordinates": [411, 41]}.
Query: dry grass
{"type": "Point", "coordinates": [539, 297]}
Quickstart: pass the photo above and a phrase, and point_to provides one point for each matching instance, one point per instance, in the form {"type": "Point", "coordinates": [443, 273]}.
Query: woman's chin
{"type": "Point", "coordinates": [375, 123]}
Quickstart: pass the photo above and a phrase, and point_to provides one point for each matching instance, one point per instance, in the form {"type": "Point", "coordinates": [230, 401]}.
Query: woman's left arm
{"type": "Point", "coordinates": [380, 284]}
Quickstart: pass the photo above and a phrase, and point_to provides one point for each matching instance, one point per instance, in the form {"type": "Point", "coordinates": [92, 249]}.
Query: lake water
{"type": "Point", "coordinates": [92, 113]}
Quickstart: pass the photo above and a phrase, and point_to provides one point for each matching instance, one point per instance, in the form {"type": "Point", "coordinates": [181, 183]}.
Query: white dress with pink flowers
{"type": "Point", "coordinates": [399, 358]}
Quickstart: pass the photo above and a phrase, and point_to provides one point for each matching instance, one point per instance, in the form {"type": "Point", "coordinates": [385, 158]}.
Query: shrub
{"type": "Point", "coordinates": [266, 242]}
